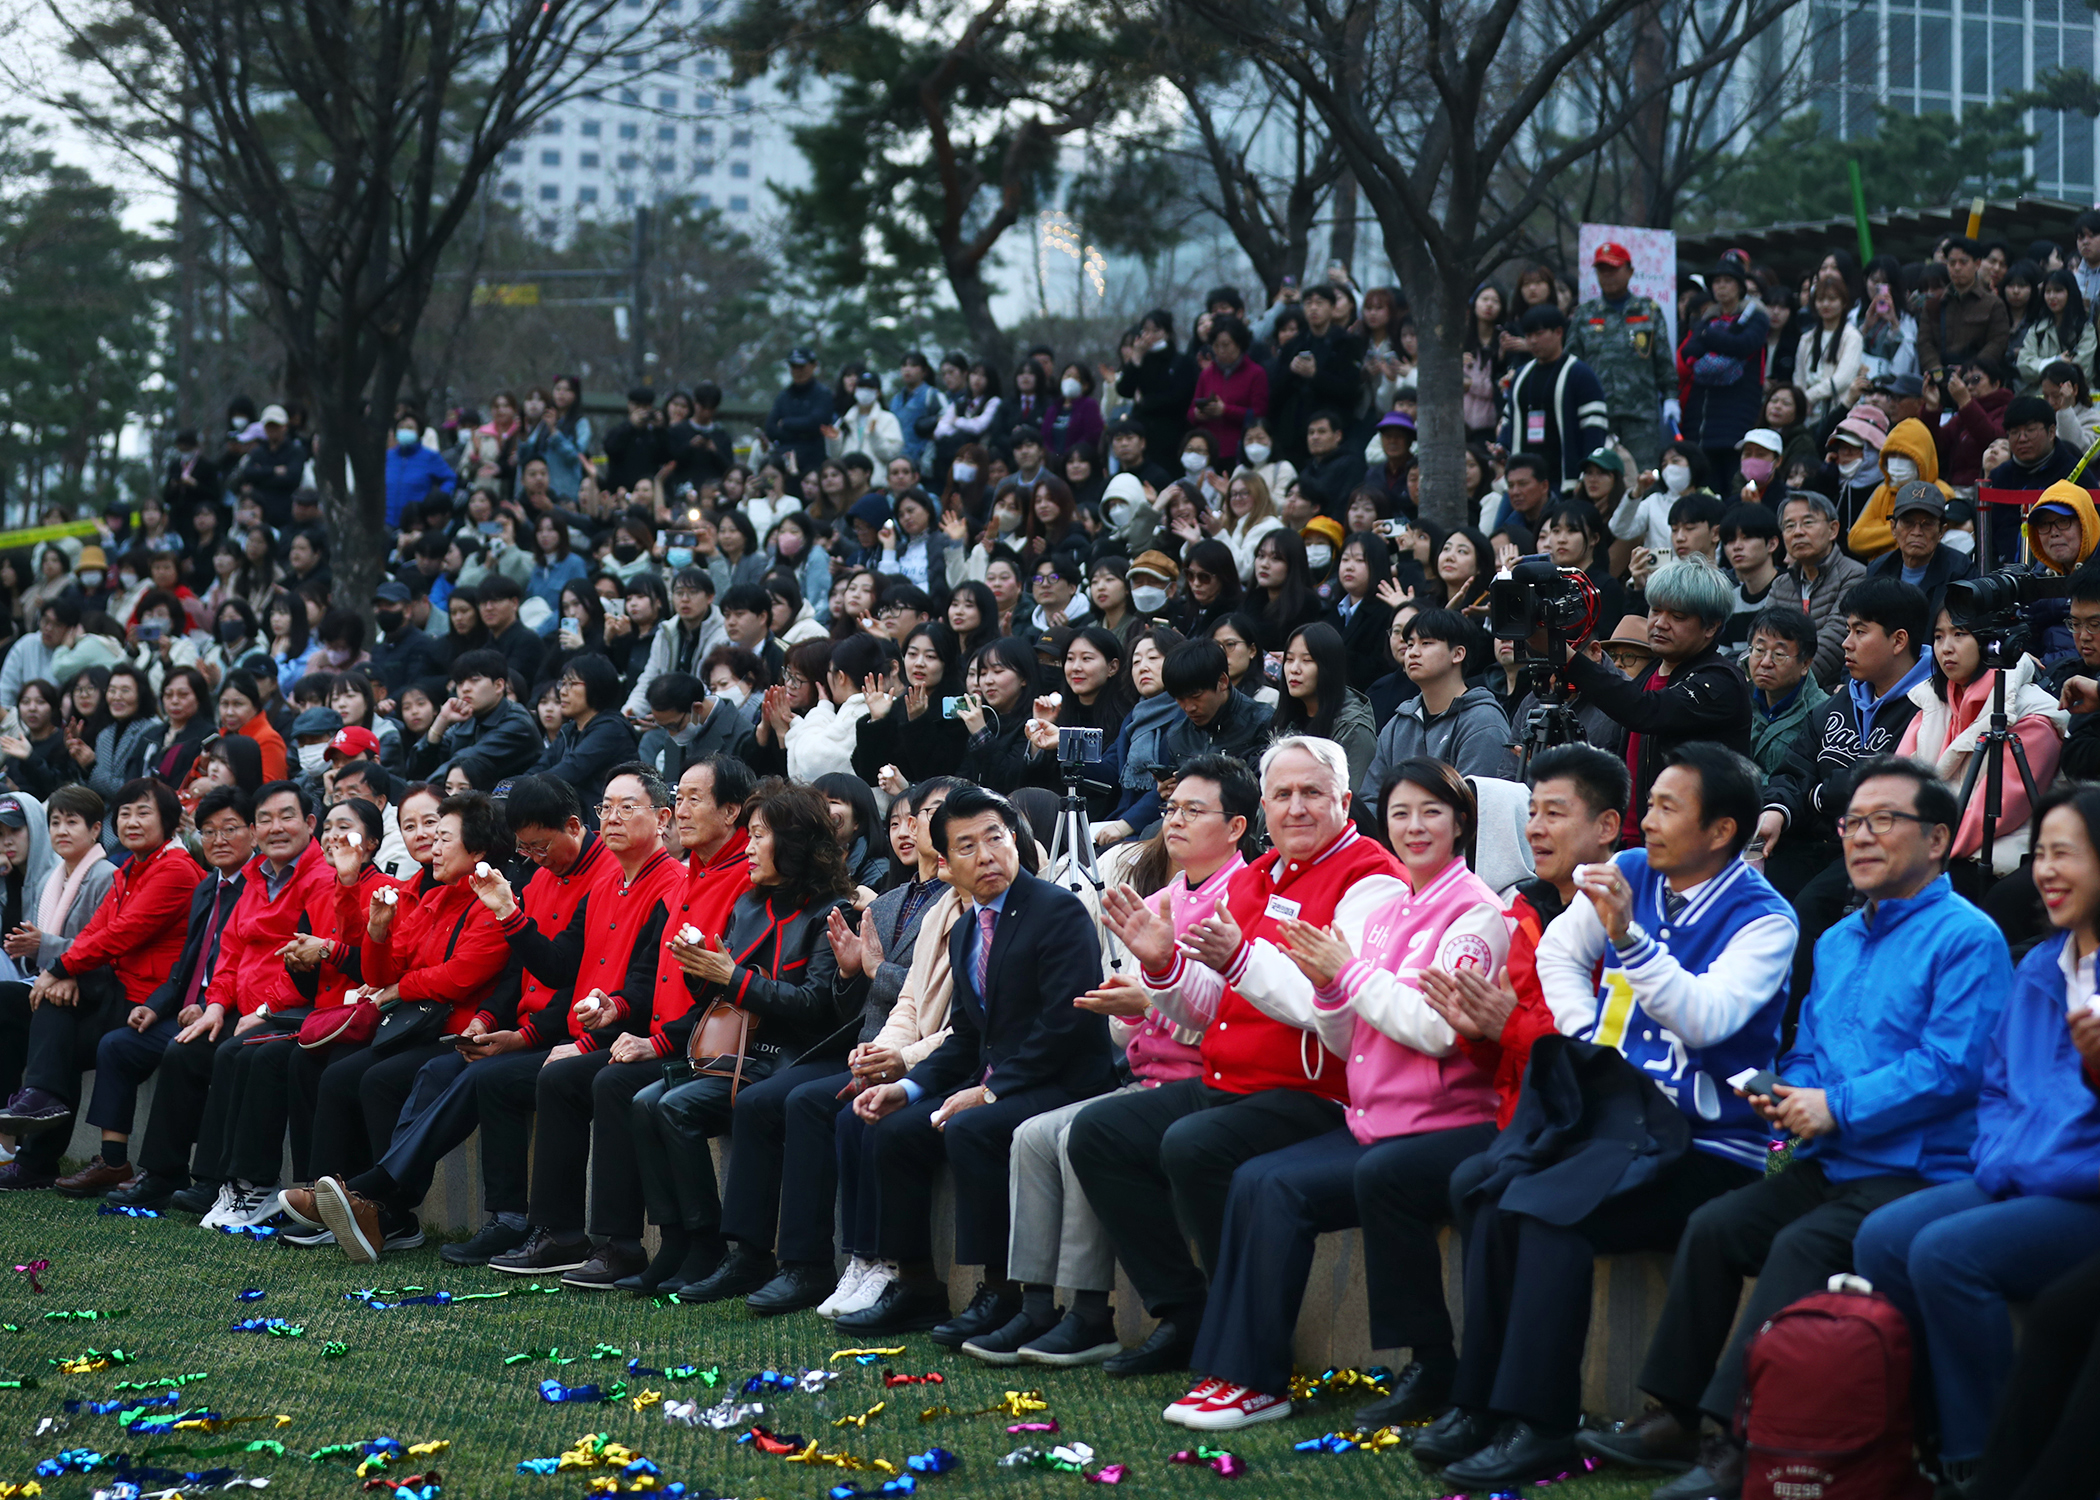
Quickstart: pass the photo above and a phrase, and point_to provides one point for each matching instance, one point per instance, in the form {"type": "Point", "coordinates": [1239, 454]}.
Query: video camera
{"type": "Point", "coordinates": [1536, 595]}
{"type": "Point", "coordinates": [1994, 608]}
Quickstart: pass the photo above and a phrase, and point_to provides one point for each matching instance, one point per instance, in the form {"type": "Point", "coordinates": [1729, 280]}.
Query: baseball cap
{"type": "Point", "coordinates": [1397, 419]}
{"type": "Point", "coordinates": [800, 356]}
{"type": "Point", "coordinates": [1898, 385]}
{"type": "Point", "coordinates": [1865, 424]}
{"type": "Point", "coordinates": [354, 743]}
{"type": "Point", "coordinates": [12, 813]}
{"type": "Point", "coordinates": [1608, 460]}
{"type": "Point", "coordinates": [276, 414]}
{"type": "Point", "coordinates": [1155, 565]}
{"type": "Point", "coordinates": [1917, 495]}
{"type": "Point", "coordinates": [1611, 253]}
{"type": "Point", "coordinates": [394, 591]}
{"type": "Point", "coordinates": [1764, 437]}
{"type": "Point", "coordinates": [320, 719]}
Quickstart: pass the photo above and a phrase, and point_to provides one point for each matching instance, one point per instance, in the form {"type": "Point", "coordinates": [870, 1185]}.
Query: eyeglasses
{"type": "Point", "coordinates": [1186, 812]}
{"type": "Point", "coordinates": [2085, 624]}
{"type": "Point", "coordinates": [1771, 653]}
{"type": "Point", "coordinates": [1880, 823]}
{"type": "Point", "coordinates": [611, 811]}
{"type": "Point", "coordinates": [535, 851]}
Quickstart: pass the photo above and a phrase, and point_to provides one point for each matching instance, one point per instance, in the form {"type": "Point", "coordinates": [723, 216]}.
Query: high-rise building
{"type": "Point", "coordinates": [1923, 56]}
{"type": "Point", "coordinates": [657, 129]}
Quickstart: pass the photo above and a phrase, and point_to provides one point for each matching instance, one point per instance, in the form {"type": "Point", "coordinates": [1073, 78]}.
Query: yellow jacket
{"type": "Point", "coordinates": [1873, 533]}
{"type": "Point", "coordinates": [2063, 492]}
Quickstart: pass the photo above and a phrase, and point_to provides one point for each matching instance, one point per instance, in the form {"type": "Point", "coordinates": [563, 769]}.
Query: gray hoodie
{"type": "Point", "coordinates": [1472, 734]}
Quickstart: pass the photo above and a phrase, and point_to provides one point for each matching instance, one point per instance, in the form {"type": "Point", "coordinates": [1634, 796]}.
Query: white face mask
{"type": "Point", "coordinates": [313, 757]}
{"type": "Point", "coordinates": [1072, 389]}
{"type": "Point", "coordinates": [1007, 520]}
{"type": "Point", "coordinates": [90, 578]}
{"type": "Point", "coordinates": [1963, 542]}
{"type": "Point", "coordinates": [863, 396]}
{"type": "Point", "coordinates": [1318, 556]}
{"type": "Point", "coordinates": [734, 692]}
{"type": "Point", "coordinates": [1194, 461]}
{"type": "Point", "coordinates": [963, 473]}
{"type": "Point", "coordinates": [1677, 478]}
{"type": "Point", "coordinates": [1148, 597]}
{"type": "Point", "coordinates": [1850, 467]}
{"type": "Point", "coordinates": [127, 579]}
{"type": "Point", "coordinates": [1119, 514]}
{"type": "Point", "coordinates": [1258, 454]}
{"type": "Point", "coordinates": [1899, 470]}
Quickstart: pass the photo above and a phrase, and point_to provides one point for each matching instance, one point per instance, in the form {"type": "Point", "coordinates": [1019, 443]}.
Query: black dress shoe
{"type": "Point", "coordinates": [1718, 1475]}
{"type": "Point", "coordinates": [543, 1254]}
{"type": "Point", "coordinates": [800, 1284]}
{"type": "Point", "coordinates": [198, 1198]}
{"type": "Point", "coordinates": [741, 1273]}
{"type": "Point", "coordinates": [491, 1240]}
{"type": "Point", "coordinates": [1455, 1435]}
{"type": "Point", "coordinates": [145, 1192]}
{"type": "Point", "coordinates": [608, 1264]}
{"type": "Point", "coordinates": [1077, 1340]}
{"type": "Point", "coordinates": [902, 1308]}
{"type": "Point", "coordinates": [989, 1311]}
{"type": "Point", "coordinates": [1657, 1441]}
{"type": "Point", "coordinates": [1170, 1348]}
{"type": "Point", "coordinates": [1418, 1394]}
{"type": "Point", "coordinates": [1002, 1346]}
{"type": "Point", "coordinates": [663, 1266]}
{"type": "Point", "coordinates": [1520, 1454]}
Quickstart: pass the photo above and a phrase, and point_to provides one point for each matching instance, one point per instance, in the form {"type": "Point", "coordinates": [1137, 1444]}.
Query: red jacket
{"type": "Point", "coordinates": [1245, 393]}
{"type": "Point", "coordinates": [248, 971]}
{"type": "Point", "coordinates": [619, 911]}
{"type": "Point", "coordinates": [710, 890]}
{"type": "Point", "coordinates": [1509, 1054]}
{"type": "Point", "coordinates": [1244, 1051]}
{"type": "Point", "coordinates": [140, 928]}
{"type": "Point", "coordinates": [550, 900]}
{"type": "Point", "coordinates": [338, 915]}
{"type": "Point", "coordinates": [427, 962]}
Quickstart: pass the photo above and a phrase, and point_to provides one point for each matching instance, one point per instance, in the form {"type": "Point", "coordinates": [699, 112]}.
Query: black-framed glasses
{"type": "Point", "coordinates": [1881, 822]}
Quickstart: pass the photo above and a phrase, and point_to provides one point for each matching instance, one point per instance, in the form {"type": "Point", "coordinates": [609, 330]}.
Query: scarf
{"type": "Point", "coordinates": [60, 889]}
{"type": "Point", "coordinates": [1147, 721]}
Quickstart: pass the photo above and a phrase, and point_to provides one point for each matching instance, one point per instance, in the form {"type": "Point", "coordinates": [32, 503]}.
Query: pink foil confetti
{"type": "Point", "coordinates": [1049, 1426]}
{"type": "Point", "coordinates": [34, 1269]}
{"type": "Point", "coordinates": [1109, 1474]}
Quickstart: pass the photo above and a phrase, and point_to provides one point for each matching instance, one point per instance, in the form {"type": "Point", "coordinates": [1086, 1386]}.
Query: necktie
{"type": "Point", "coordinates": [980, 969]}
{"type": "Point", "coordinates": [204, 954]}
{"type": "Point", "coordinates": [1673, 904]}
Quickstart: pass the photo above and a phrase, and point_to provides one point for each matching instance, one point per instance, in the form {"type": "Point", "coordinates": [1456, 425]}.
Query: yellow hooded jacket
{"type": "Point", "coordinates": [2065, 493]}
{"type": "Point", "coordinates": [1873, 533]}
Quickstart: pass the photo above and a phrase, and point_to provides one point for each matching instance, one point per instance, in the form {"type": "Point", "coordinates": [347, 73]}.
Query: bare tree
{"type": "Point", "coordinates": [337, 147]}
{"type": "Point", "coordinates": [1449, 117]}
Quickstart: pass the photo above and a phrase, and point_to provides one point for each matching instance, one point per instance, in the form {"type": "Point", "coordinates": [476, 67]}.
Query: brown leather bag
{"type": "Point", "coordinates": [721, 1043]}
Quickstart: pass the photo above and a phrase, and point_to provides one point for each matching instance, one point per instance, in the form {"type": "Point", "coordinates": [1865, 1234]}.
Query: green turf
{"type": "Point", "coordinates": [420, 1374]}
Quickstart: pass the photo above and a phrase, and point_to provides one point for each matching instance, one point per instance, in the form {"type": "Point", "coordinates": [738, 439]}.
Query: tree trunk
{"type": "Point", "coordinates": [975, 299]}
{"type": "Point", "coordinates": [1341, 238]}
{"type": "Point", "coordinates": [1441, 307]}
{"type": "Point", "coordinates": [350, 467]}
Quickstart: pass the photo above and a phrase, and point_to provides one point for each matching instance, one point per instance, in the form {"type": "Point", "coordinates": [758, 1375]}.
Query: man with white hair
{"type": "Point", "coordinates": [1265, 1084]}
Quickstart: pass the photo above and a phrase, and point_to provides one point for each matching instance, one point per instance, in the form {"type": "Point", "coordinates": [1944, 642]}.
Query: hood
{"type": "Point", "coordinates": [43, 859]}
{"type": "Point", "coordinates": [1912, 439]}
{"type": "Point", "coordinates": [1501, 853]}
{"type": "Point", "coordinates": [1472, 698]}
{"type": "Point", "coordinates": [2063, 492]}
{"type": "Point", "coordinates": [871, 508]}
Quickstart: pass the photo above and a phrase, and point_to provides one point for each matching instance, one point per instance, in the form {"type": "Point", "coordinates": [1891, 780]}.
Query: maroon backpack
{"type": "Point", "coordinates": [1825, 1412]}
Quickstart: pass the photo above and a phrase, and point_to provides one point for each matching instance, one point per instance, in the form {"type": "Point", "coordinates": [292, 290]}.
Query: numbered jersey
{"type": "Point", "coordinates": [1695, 1077]}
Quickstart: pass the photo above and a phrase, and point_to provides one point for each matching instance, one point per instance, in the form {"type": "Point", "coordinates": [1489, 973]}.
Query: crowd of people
{"type": "Point", "coordinates": [1109, 781]}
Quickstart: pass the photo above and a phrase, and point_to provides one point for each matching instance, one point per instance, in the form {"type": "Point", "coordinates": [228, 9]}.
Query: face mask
{"type": "Point", "coordinates": [626, 552]}
{"type": "Point", "coordinates": [90, 578]}
{"type": "Point", "coordinates": [963, 473]}
{"type": "Point", "coordinates": [1850, 467]}
{"type": "Point", "coordinates": [1162, 342]}
{"type": "Point", "coordinates": [1963, 542]}
{"type": "Point", "coordinates": [233, 632]}
{"type": "Point", "coordinates": [127, 580]}
{"type": "Point", "coordinates": [1258, 454]}
{"type": "Point", "coordinates": [1758, 470]}
{"type": "Point", "coordinates": [735, 693]}
{"type": "Point", "coordinates": [1677, 478]}
{"type": "Point", "coordinates": [789, 543]}
{"type": "Point", "coordinates": [1119, 514]}
{"type": "Point", "coordinates": [679, 557]}
{"type": "Point", "coordinates": [684, 736]}
{"type": "Point", "coordinates": [1318, 556]}
{"type": "Point", "coordinates": [863, 397]}
{"type": "Point", "coordinates": [1899, 471]}
{"type": "Point", "coordinates": [405, 436]}
{"type": "Point", "coordinates": [312, 757]}
{"type": "Point", "coordinates": [1072, 389]}
{"type": "Point", "coordinates": [1007, 520]}
{"type": "Point", "coordinates": [1194, 462]}
{"type": "Point", "coordinates": [388, 620]}
{"type": "Point", "coordinates": [1148, 598]}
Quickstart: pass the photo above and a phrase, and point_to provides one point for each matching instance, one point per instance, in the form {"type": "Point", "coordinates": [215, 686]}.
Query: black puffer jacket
{"type": "Point", "coordinates": [786, 976]}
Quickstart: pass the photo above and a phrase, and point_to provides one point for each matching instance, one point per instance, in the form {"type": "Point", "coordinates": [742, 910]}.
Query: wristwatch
{"type": "Point", "coordinates": [989, 1096]}
{"type": "Point", "coordinates": [1635, 936]}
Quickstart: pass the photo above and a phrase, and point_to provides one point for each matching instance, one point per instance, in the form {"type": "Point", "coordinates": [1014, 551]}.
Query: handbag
{"type": "Point", "coordinates": [721, 1042]}
{"type": "Point", "coordinates": [410, 1023]}
{"type": "Point", "coordinates": [1716, 369]}
{"type": "Point", "coordinates": [339, 1023]}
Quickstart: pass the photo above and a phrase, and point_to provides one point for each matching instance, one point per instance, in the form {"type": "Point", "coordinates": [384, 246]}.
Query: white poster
{"type": "Point", "coordinates": [1654, 254]}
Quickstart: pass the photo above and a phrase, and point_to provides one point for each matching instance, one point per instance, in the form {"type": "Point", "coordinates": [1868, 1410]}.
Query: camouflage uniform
{"type": "Point", "coordinates": [1629, 348]}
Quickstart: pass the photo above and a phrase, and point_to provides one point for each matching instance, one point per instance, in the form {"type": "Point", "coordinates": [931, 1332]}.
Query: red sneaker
{"type": "Point", "coordinates": [1194, 1401]}
{"type": "Point", "coordinates": [1236, 1406]}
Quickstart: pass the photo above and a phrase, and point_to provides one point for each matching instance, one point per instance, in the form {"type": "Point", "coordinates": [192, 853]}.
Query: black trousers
{"type": "Point", "coordinates": [1793, 1231]}
{"type": "Point", "coordinates": [1528, 1286]}
{"type": "Point", "coordinates": [1180, 1143]}
{"type": "Point", "coordinates": [250, 1105]}
{"type": "Point", "coordinates": [2046, 1441]}
{"type": "Point", "coordinates": [124, 1059]}
{"type": "Point", "coordinates": [585, 1131]}
{"type": "Point", "coordinates": [62, 1043]}
{"type": "Point", "coordinates": [181, 1096]}
{"type": "Point", "coordinates": [976, 1145]}
{"type": "Point", "coordinates": [14, 1034]}
{"type": "Point", "coordinates": [332, 1129]}
{"type": "Point", "coordinates": [504, 1094]}
{"type": "Point", "coordinates": [672, 1126]}
{"type": "Point", "coordinates": [756, 1184]}
{"type": "Point", "coordinates": [809, 1173]}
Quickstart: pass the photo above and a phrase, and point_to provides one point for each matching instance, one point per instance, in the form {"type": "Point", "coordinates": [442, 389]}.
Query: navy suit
{"type": "Point", "coordinates": [1037, 1050]}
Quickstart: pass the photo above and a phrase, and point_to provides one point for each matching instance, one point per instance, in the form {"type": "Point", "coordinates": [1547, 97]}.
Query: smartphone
{"type": "Point", "coordinates": [681, 539]}
{"type": "Point", "coordinates": [951, 708]}
{"type": "Point", "coordinates": [1391, 530]}
{"type": "Point", "coordinates": [1078, 747]}
{"type": "Point", "coordinates": [617, 608]}
{"type": "Point", "coordinates": [1757, 1081]}
{"type": "Point", "coordinates": [152, 629]}
{"type": "Point", "coordinates": [459, 1039]}
{"type": "Point", "coordinates": [1272, 664]}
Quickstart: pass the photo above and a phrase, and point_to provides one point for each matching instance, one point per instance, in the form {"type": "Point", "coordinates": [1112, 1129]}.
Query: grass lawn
{"type": "Point", "coordinates": [437, 1373]}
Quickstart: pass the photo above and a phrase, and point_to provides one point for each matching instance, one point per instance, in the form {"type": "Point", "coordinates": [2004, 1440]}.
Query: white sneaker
{"type": "Point", "coordinates": [229, 1196]}
{"type": "Point", "coordinates": [879, 1275]}
{"type": "Point", "coordinates": [251, 1206]}
{"type": "Point", "coordinates": [849, 1287]}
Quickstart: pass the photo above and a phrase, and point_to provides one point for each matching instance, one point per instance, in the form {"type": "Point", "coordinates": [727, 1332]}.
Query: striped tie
{"type": "Point", "coordinates": [981, 969]}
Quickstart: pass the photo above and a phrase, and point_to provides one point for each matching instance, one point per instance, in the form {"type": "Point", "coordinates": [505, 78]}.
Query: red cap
{"type": "Point", "coordinates": [355, 744]}
{"type": "Point", "coordinates": [1612, 254]}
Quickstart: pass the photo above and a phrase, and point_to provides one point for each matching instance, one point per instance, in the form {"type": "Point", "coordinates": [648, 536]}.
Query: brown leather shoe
{"type": "Point", "coordinates": [297, 1204]}
{"type": "Point", "coordinates": [94, 1179]}
{"type": "Point", "coordinates": [353, 1217]}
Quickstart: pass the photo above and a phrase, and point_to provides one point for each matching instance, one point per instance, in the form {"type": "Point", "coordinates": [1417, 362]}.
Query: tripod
{"type": "Point", "coordinates": [1551, 722]}
{"type": "Point", "coordinates": [1072, 845]}
{"type": "Point", "coordinates": [1989, 757]}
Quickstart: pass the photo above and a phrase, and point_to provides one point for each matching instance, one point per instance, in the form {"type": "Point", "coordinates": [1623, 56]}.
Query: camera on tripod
{"type": "Point", "coordinates": [1536, 595]}
{"type": "Point", "coordinates": [1994, 608]}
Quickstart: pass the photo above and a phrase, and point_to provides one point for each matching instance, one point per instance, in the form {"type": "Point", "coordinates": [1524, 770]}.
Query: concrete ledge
{"type": "Point", "coordinates": [1333, 1320]}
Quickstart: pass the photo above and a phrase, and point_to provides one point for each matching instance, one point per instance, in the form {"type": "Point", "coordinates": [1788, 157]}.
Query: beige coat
{"type": "Point", "coordinates": [918, 1022]}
